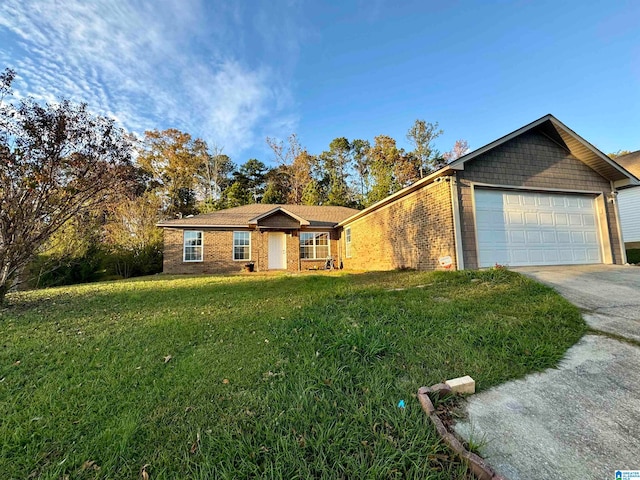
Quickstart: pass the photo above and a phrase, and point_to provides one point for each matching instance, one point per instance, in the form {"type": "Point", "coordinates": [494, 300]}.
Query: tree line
{"type": "Point", "coordinates": [191, 178]}
{"type": "Point", "coordinates": [80, 197]}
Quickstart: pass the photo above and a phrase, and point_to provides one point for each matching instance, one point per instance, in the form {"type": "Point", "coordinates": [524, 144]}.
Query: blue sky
{"type": "Point", "coordinates": [233, 73]}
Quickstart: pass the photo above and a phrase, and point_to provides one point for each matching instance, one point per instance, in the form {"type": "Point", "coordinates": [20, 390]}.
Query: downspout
{"type": "Point", "coordinates": [614, 198]}
{"type": "Point", "coordinates": [457, 232]}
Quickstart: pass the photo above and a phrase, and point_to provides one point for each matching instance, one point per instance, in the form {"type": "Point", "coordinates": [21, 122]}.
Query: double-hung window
{"type": "Point", "coordinates": [347, 242]}
{"type": "Point", "coordinates": [314, 245]}
{"type": "Point", "coordinates": [192, 246]}
{"type": "Point", "coordinates": [242, 245]}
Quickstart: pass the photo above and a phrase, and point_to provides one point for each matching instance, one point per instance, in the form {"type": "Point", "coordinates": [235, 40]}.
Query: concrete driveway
{"type": "Point", "coordinates": [608, 295]}
{"type": "Point", "coordinates": [581, 420]}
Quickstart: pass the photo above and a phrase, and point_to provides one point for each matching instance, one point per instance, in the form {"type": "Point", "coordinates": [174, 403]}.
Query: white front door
{"type": "Point", "coordinates": [277, 251]}
{"type": "Point", "coordinates": [526, 228]}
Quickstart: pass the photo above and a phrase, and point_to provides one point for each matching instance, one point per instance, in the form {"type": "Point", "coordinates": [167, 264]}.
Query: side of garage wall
{"type": "Point", "coordinates": [413, 231]}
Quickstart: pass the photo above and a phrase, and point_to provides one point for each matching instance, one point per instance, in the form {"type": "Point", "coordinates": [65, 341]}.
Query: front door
{"type": "Point", "coordinates": [277, 251]}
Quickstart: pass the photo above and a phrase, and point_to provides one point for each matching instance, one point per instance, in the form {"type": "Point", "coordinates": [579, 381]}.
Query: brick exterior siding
{"type": "Point", "coordinates": [411, 232]}
{"type": "Point", "coordinates": [415, 230]}
{"type": "Point", "coordinates": [218, 252]}
{"type": "Point", "coordinates": [529, 160]}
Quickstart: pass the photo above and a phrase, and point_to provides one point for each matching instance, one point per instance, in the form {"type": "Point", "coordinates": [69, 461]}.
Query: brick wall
{"type": "Point", "coordinates": [218, 252]}
{"type": "Point", "coordinates": [411, 232]}
{"type": "Point", "coordinates": [529, 160]}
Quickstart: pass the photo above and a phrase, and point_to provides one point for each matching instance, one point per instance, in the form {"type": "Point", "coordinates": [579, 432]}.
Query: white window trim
{"type": "Point", "coordinates": [233, 247]}
{"type": "Point", "coordinates": [347, 242]}
{"type": "Point", "coordinates": [184, 246]}
{"type": "Point", "coordinates": [315, 256]}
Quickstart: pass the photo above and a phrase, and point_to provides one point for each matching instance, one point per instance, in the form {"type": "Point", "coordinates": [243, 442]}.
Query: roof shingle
{"type": "Point", "coordinates": [325, 216]}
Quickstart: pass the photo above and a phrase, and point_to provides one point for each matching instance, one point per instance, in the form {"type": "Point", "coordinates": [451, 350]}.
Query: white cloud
{"type": "Point", "coordinates": [169, 63]}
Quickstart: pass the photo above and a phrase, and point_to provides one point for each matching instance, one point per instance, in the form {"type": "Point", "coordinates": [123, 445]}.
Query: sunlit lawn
{"type": "Point", "coordinates": [259, 376]}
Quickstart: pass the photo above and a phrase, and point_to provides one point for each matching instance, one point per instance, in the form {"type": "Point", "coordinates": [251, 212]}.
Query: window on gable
{"type": "Point", "coordinates": [192, 243]}
{"type": "Point", "coordinates": [347, 242]}
{"type": "Point", "coordinates": [242, 245]}
{"type": "Point", "coordinates": [314, 245]}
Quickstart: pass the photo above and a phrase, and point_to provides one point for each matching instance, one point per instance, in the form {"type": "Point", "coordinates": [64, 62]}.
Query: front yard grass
{"type": "Point", "coordinates": [259, 376]}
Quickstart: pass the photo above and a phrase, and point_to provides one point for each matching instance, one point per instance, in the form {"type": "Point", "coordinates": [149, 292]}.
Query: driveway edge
{"type": "Point", "coordinates": [479, 467]}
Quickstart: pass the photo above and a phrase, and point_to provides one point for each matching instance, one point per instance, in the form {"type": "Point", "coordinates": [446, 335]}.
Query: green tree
{"type": "Point", "coordinates": [57, 161]}
{"type": "Point", "coordinates": [421, 135]}
{"type": "Point", "coordinates": [71, 255]}
{"type": "Point", "coordinates": [236, 195]}
{"type": "Point", "coordinates": [361, 164]}
{"type": "Point", "coordinates": [131, 237]}
{"type": "Point", "coordinates": [252, 175]}
{"type": "Point", "coordinates": [383, 157]}
{"type": "Point", "coordinates": [277, 189]}
{"type": "Point", "coordinates": [174, 160]}
{"type": "Point", "coordinates": [312, 193]}
{"type": "Point", "coordinates": [336, 163]}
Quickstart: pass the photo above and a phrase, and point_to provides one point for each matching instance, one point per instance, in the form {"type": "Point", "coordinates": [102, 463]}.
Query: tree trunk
{"type": "Point", "coordinates": [4, 288]}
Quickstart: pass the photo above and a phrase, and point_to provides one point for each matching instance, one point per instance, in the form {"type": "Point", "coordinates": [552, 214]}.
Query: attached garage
{"type": "Point", "coordinates": [541, 195]}
{"type": "Point", "coordinates": [520, 228]}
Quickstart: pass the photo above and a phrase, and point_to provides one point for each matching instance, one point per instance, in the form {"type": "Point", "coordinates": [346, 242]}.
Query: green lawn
{"type": "Point", "coordinates": [269, 376]}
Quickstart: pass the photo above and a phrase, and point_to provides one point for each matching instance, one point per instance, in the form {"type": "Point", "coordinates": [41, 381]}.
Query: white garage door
{"type": "Point", "coordinates": [517, 228]}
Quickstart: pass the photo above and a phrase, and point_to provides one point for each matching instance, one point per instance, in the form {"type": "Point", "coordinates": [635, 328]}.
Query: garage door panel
{"type": "Point", "coordinates": [515, 218]}
{"type": "Point", "coordinates": [549, 237]}
{"type": "Point", "coordinates": [591, 237]}
{"type": "Point", "coordinates": [534, 237]}
{"type": "Point", "coordinates": [546, 218]}
{"type": "Point", "coordinates": [593, 255]}
{"type": "Point", "coordinates": [524, 228]}
{"type": "Point", "coordinates": [511, 199]}
{"type": "Point", "coordinates": [518, 236]}
{"type": "Point", "coordinates": [575, 219]}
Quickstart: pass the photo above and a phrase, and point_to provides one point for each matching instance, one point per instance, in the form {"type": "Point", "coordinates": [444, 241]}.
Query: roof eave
{"type": "Point", "coordinates": [588, 154]}
{"type": "Point", "coordinates": [458, 164]}
{"type": "Point", "coordinates": [185, 225]}
{"type": "Point", "coordinates": [608, 168]}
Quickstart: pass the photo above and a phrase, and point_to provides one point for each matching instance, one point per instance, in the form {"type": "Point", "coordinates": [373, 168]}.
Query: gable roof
{"type": "Point", "coordinates": [566, 138]}
{"type": "Point", "coordinates": [547, 125]}
{"type": "Point", "coordinates": [631, 162]}
{"type": "Point", "coordinates": [246, 215]}
{"type": "Point", "coordinates": [302, 221]}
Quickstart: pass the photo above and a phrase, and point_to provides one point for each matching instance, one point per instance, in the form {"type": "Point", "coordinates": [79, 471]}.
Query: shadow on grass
{"type": "Point", "coordinates": [278, 377]}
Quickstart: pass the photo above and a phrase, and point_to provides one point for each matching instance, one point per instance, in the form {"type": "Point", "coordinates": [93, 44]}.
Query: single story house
{"type": "Point", "coordinates": [629, 202]}
{"type": "Point", "coordinates": [541, 195]}
{"type": "Point", "coordinates": [271, 237]}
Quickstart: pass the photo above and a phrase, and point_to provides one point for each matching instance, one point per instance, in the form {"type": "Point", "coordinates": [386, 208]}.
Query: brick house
{"type": "Point", "coordinates": [271, 237]}
{"type": "Point", "coordinates": [540, 195]}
